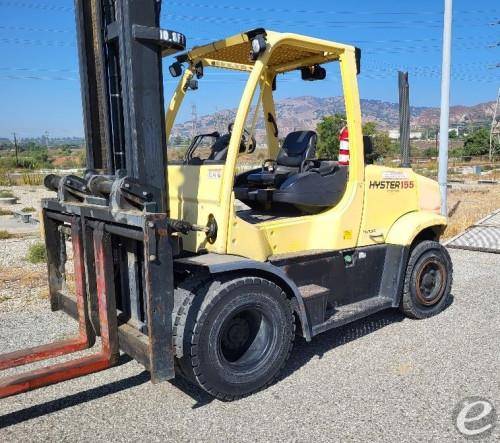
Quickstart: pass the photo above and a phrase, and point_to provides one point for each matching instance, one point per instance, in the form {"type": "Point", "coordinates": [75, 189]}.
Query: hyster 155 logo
{"type": "Point", "coordinates": [393, 180]}
{"type": "Point", "coordinates": [391, 184]}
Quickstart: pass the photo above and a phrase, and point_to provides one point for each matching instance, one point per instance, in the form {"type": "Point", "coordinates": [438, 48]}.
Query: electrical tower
{"type": "Point", "coordinates": [219, 121]}
{"type": "Point", "coordinates": [495, 128]}
{"type": "Point", "coordinates": [194, 120]}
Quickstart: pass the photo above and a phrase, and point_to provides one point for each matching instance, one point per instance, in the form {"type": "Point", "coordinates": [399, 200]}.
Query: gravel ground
{"type": "Point", "coordinates": [29, 196]}
{"type": "Point", "coordinates": [23, 285]}
{"type": "Point", "coordinates": [384, 378]}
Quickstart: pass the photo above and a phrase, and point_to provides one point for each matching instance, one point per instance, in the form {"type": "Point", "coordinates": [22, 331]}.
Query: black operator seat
{"type": "Point", "coordinates": [296, 179]}
{"type": "Point", "coordinates": [297, 147]}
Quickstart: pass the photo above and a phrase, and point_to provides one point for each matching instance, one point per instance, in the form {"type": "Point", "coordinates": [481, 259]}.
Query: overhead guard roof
{"type": "Point", "coordinates": [292, 51]}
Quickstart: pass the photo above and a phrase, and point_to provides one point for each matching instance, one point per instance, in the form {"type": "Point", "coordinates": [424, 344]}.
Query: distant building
{"type": "Point", "coordinates": [394, 134]}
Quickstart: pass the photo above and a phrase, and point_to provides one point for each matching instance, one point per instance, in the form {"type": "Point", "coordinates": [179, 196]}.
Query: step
{"type": "Point", "coordinates": [352, 312]}
{"type": "Point", "coordinates": [309, 291]}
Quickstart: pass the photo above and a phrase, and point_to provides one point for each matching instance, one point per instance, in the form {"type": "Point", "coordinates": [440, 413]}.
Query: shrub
{"type": "Point", "coordinates": [5, 211]}
{"type": "Point", "coordinates": [5, 179]}
{"type": "Point", "coordinates": [6, 194]}
{"type": "Point", "coordinates": [4, 235]}
{"type": "Point", "coordinates": [431, 152]}
{"type": "Point", "coordinates": [28, 209]}
{"type": "Point", "coordinates": [37, 253]}
{"type": "Point", "coordinates": [477, 143]}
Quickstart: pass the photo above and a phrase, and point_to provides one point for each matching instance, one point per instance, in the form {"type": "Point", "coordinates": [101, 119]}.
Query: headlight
{"type": "Point", "coordinates": [258, 46]}
{"type": "Point", "coordinates": [175, 69]}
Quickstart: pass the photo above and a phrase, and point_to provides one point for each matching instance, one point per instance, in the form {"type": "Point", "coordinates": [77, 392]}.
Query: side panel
{"type": "Point", "coordinates": [195, 193]}
{"type": "Point", "coordinates": [389, 193]}
{"type": "Point", "coordinates": [349, 276]}
{"type": "Point", "coordinates": [341, 287]}
{"type": "Point", "coordinates": [335, 229]}
{"type": "Point", "coordinates": [407, 227]}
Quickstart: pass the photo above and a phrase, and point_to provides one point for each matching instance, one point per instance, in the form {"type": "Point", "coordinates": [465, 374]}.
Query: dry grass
{"type": "Point", "coordinates": [476, 203]}
{"type": "Point", "coordinates": [23, 277]}
{"type": "Point", "coordinates": [23, 287]}
{"type": "Point", "coordinates": [4, 235]}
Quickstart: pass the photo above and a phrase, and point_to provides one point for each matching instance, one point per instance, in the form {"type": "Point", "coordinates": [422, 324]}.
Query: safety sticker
{"type": "Point", "coordinates": [394, 175]}
{"type": "Point", "coordinates": [214, 174]}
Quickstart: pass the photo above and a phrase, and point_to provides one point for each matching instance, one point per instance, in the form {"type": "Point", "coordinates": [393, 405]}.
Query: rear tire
{"type": "Point", "coordinates": [233, 337]}
{"type": "Point", "coordinates": [428, 280]}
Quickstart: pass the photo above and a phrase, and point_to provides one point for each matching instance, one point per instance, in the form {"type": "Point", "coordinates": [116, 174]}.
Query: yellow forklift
{"type": "Point", "coordinates": [196, 268]}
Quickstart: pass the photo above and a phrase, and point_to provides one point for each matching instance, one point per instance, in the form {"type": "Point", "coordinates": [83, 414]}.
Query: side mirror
{"type": "Point", "coordinates": [193, 84]}
{"type": "Point", "coordinates": [313, 73]}
{"type": "Point", "coordinates": [198, 70]}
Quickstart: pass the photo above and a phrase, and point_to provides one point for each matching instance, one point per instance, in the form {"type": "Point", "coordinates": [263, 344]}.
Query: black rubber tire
{"type": "Point", "coordinates": [414, 304]}
{"type": "Point", "coordinates": [203, 310]}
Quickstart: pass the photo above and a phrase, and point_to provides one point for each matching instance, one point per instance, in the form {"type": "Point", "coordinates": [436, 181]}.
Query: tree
{"type": "Point", "coordinates": [328, 135]}
{"type": "Point", "coordinates": [370, 128]}
{"type": "Point", "coordinates": [477, 142]}
{"type": "Point", "coordinates": [382, 144]}
{"type": "Point", "coordinates": [432, 151]}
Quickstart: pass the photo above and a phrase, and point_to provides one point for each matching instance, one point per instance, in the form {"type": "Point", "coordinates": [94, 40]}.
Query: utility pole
{"type": "Point", "coordinates": [15, 146]}
{"type": "Point", "coordinates": [445, 106]}
{"type": "Point", "coordinates": [495, 127]}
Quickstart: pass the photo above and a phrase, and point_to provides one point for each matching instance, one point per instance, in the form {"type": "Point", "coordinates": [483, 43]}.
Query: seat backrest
{"type": "Point", "coordinates": [297, 146]}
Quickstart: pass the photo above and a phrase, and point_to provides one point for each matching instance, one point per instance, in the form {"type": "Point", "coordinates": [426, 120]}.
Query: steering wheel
{"type": "Point", "coordinates": [248, 142]}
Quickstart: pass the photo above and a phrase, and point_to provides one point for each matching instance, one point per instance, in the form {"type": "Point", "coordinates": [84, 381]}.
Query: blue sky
{"type": "Point", "coordinates": [40, 90]}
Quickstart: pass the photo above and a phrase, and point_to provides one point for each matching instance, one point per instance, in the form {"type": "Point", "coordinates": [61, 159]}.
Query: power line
{"type": "Point", "coordinates": [322, 12]}
{"type": "Point", "coordinates": [385, 23]}
{"type": "Point", "coordinates": [381, 24]}
{"type": "Point", "coordinates": [365, 42]}
{"type": "Point", "coordinates": [41, 6]}
{"type": "Point", "coordinates": [183, 5]}
{"type": "Point", "coordinates": [36, 77]}
{"type": "Point", "coordinates": [366, 76]}
{"type": "Point", "coordinates": [35, 69]}
{"type": "Point", "coordinates": [386, 50]}
{"type": "Point", "coordinates": [30, 29]}
{"type": "Point", "coordinates": [29, 42]}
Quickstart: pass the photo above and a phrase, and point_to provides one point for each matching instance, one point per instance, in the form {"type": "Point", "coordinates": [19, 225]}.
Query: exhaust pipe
{"type": "Point", "coordinates": [404, 119]}
{"type": "Point", "coordinates": [52, 181]}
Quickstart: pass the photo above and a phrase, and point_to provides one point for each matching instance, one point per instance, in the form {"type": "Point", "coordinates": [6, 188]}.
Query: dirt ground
{"type": "Point", "coordinates": [469, 203]}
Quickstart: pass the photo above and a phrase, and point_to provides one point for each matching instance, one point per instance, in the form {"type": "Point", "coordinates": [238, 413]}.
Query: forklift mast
{"type": "Point", "coordinates": [120, 47]}
{"type": "Point", "coordinates": [116, 216]}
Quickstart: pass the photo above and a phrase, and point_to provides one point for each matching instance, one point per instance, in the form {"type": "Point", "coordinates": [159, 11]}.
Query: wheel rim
{"type": "Point", "coordinates": [430, 282]}
{"type": "Point", "coordinates": [245, 339]}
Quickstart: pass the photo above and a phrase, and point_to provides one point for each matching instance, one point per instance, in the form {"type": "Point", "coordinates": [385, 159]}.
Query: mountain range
{"type": "Point", "coordinates": [305, 113]}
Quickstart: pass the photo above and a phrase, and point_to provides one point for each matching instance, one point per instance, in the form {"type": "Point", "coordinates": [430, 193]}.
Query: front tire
{"type": "Point", "coordinates": [236, 336]}
{"type": "Point", "coordinates": [428, 280]}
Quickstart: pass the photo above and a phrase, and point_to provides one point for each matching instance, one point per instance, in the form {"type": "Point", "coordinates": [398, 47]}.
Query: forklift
{"type": "Point", "coordinates": [195, 268]}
